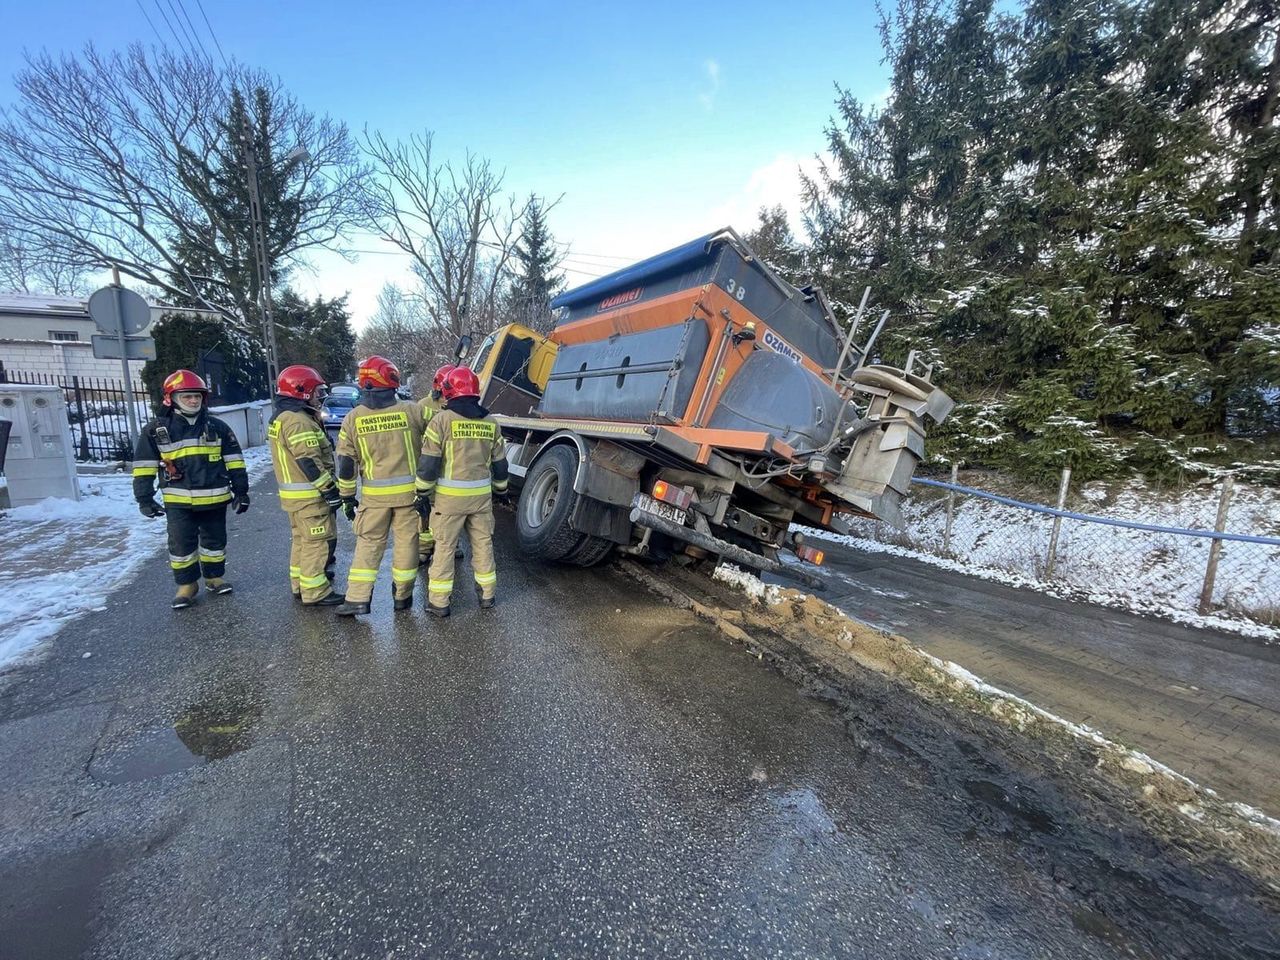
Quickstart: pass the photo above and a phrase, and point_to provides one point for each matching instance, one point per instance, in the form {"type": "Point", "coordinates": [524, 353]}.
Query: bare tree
{"type": "Point", "coordinates": [27, 265]}
{"type": "Point", "coordinates": [402, 331]}
{"type": "Point", "coordinates": [456, 225]}
{"type": "Point", "coordinates": [131, 160]}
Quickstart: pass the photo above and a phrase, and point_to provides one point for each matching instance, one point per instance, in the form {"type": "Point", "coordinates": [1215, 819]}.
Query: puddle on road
{"type": "Point", "coordinates": [209, 730]}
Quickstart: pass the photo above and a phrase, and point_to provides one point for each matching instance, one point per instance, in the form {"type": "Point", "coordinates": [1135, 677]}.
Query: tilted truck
{"type": "Point", "coordinates": [697, 403]}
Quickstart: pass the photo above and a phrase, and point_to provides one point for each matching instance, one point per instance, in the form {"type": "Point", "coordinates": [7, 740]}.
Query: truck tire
{"type": "Point", "coordinates": [591, 551]}
{"type": "Point", "coordinates": [546, 504]}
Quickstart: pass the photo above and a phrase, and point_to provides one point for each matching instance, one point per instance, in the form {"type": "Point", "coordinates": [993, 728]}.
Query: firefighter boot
{"type": "Point", "coordinates": [486, 603]}
{"type": "Point", "coordinates": [328, 600]}
{"type": "Point", "coordinates": [403, 603]}
{"type": "Point", "coordinates": [217, 586]}
{"type": "Point", "coordinates": [185, 596]}
{"type": "Point", "coordinates": [350, 608]}
{"type": "Point", "coordinates": [439, 612]}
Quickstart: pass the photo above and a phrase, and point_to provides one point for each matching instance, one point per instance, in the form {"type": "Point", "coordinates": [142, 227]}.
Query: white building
{"type": "Point", "coordinates": [51, 336]}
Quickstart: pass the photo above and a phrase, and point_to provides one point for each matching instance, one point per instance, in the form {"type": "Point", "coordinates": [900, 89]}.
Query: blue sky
{"type": "Point", "coordinates": [656, 122]}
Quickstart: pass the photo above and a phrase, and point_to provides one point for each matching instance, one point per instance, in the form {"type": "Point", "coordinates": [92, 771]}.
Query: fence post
{"type": "Point", "coordinates": [1057, 523]}
{"type": "Point", "coordinates": [951, 510]}
{"type": "Point", "coordinates": [1215, 547]}
{"type": "Point", "coordinates": [80, 414]}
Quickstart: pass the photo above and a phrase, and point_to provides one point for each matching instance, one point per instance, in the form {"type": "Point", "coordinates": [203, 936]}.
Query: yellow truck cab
{"type": "Point", "coordinates": [513, 364]}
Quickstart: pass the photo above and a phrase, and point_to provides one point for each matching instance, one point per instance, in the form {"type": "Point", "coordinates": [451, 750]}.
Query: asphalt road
{"type": "Point", "coordinates": [1203, 702]}
{"type": "Point", "coordinates": [584, 771]}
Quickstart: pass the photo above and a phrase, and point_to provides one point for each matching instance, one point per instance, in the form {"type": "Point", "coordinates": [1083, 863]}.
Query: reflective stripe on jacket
{"type": "Point", "coordinates": [301, 455]}
{"type": "Point", "coordinates": [466, 450]}
{"type": "Point", "coordinates": [205, 454]}
{"type": "Point", "coordinates": [383, 442]}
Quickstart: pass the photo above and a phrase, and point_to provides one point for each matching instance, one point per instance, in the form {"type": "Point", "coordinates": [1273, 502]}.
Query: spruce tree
{"type": "Point", "coordinates": [537, 281]}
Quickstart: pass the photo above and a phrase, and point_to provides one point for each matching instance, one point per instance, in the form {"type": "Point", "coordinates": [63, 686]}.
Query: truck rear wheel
{"type": "Point", "coordinates": [591, 551]}
{"type": "Point", "coordinates": [546, 504]}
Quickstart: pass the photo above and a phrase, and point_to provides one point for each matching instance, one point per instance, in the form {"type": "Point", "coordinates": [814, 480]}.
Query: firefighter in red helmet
{"type": "Point", "coordinates": [431, 405]}
{"type": "Point", "coordinates": [462, 467]}
{"type": "Point", "coordinates": [377, 445]}
{"type": "Point", "coordinates": [199, 466]}
{"type": "Point", "coordinates": [303, 461]}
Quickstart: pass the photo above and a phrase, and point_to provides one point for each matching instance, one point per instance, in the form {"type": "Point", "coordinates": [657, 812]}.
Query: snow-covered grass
{"type": "Point", "coordinates": [1144, 571]}
{"type": "Point", "coordinates": [63, 559]}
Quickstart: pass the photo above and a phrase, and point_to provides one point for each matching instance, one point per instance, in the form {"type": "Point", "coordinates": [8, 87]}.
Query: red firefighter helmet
{"type": "Point", "coordinates": [460, 382]}
{"type": "Point", "coordinates": [299, 381]}
{"type": "Point", "coordinates": [437, 382]}
{"type": "Point", "coordinates": [180, 381]}
{"type": "Point", "coordinates": [377, 373]}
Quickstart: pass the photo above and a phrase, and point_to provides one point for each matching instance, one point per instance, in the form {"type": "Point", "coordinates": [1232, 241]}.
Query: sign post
{"type": "Point", "coordinates": [118, 313]}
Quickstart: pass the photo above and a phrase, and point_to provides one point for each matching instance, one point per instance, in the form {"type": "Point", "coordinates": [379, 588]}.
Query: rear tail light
{"type": "Point", "coordinates": [811, 555]}
{"type": "Point", "coordinates": [676, 496]}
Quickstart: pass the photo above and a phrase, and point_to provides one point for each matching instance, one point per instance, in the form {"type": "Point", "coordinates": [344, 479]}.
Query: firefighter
{"type": "Point", "coordinates": [377, 442]}
{"type": "Point", "coordinates": [431, 405]}
{"type": "Point", "coordinates": [303, 461]}
{"type": "Point", "coordinates": [462, 467]}
{"type": "Point", "coordinates": [200, 468]}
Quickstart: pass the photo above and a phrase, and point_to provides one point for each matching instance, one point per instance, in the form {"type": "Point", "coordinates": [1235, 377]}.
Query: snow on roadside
{"type": "Point", "coordinates": [63, 559]}
{"type": "Point", "coordinates": [1141, 571]}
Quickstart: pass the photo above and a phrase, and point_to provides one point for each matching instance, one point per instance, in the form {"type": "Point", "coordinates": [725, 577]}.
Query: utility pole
{"type": "Point", "coordinates": [261, 255]}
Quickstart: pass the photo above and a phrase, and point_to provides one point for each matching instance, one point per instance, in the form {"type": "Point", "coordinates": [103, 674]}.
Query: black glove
{"type": "Point", "coordinates": [150, 509]}
{"type": "Point", "coordinates": [331, 498]}
{"type": "Point", "coordinates": [503, 495]}
{"type": "Point", "coordinates": [422, 503]}
{"type": "Point", "coordinates": [349, 505]}
{"type": "Point", "coordinates": [240, 502]}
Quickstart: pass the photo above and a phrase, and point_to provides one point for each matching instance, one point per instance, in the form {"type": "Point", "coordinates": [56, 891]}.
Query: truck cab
{"type": "Point", "coordinates": [513, 363]}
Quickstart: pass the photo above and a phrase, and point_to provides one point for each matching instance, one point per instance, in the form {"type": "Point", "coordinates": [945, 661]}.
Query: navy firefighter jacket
{"type": "Point", "coordinates": [197, 464]}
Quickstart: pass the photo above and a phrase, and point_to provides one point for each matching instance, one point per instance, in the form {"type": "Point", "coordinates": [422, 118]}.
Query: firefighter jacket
{"type": "Point", "coordinates": [300, 453]}
{"type": "Point", "coordinates": [378, 441]}
{"type": "Point", "coordinates": [463, 458]}
{"type": "Point", "coordinates": [198, 463]}
{"type": "Point", "coordinates": [430, 407]}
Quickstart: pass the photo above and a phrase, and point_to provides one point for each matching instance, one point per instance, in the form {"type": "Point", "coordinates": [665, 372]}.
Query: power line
{"type": "Point", "coordinates": [212, 34]}
{"type": "Point", "coordinates": [186, 36]}
{"type": "Point", "coordinates": [194, 35]}
{"type": "Point", "coordinates": [165, 18]}
{"type": "Point", "coordinates": [146, 17]}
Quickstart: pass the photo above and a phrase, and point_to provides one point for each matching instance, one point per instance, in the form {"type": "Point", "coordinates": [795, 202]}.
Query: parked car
{"type": "Point", "coordinates": [341, 400]}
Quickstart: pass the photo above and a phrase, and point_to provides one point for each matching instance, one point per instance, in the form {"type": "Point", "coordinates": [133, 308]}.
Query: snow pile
{"type": "Point", "coordinates": [1139, 570]}
{"type": "Point", "coordinates": [748, 583]}
{"type": "Point", "coordinates": [63, 559]}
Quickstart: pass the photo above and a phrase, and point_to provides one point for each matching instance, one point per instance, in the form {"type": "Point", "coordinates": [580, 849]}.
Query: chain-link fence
{"type": "Point", "coordinates": [1203, 552]}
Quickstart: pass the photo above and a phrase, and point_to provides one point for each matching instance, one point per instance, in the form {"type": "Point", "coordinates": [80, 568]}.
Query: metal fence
{"type": "Point", "coordinates": [1194, 565]}
{"type": "Point", "coordinates": [96, 412]}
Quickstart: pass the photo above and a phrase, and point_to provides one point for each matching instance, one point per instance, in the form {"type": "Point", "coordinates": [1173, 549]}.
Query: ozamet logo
{"type": "Point", "coordinates": [778, 345]}
{"type": "Point", "coordinates": [472, 430]}
{"type": "Point", "coordinates": [618, 299]}
{"type": "Point", "coordinates": [381, 422]}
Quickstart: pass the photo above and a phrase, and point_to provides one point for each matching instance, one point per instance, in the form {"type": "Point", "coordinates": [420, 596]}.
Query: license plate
{"type": "Point", "coordinates": [665, 510]}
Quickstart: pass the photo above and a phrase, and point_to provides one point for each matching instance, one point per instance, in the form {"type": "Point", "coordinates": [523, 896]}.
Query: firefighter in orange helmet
{"type": "Point", "coordinates": [431, 405]}
{"type": "Point", "coordinates": [377, 445]}
{"type": "Point", "coordinates": [303, 461]}
{"type": "Point", "coordinates": [462, 467]}
{"type": "Point", "coordinates": [198, 463]}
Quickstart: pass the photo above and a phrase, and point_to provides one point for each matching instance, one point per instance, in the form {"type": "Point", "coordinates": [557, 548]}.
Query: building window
{"type": "Point", "coordinates": [63, 335]}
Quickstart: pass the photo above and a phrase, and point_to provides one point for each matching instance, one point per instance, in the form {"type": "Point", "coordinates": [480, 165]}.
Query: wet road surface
{"type": "Point", "coordinates": [584, 771]}
{"type": "Point", "coordinates": [1205, 703]}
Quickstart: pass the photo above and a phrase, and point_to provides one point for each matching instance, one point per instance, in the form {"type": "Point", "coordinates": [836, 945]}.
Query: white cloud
{"type": "Point", "coordinates": [708, 97]}
{"type": "Point", "coordinates": [777, 183]}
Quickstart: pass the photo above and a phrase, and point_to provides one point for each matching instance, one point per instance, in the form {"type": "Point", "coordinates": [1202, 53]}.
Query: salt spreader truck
{"type": "Point", "coordinates": [697, 403]}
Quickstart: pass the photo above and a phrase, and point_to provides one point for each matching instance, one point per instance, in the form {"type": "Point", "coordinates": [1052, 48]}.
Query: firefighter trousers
{"type": "Point", "coordinates": [314, 543]}
{"type": "Point", "coordinates": [197, 542]}
{"type": "Point", "coordinates": [372, 526]}
{"type": "Point", "coordinates": [447, 527]}
{"type": "Point", "coordinates": [426, 540]}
